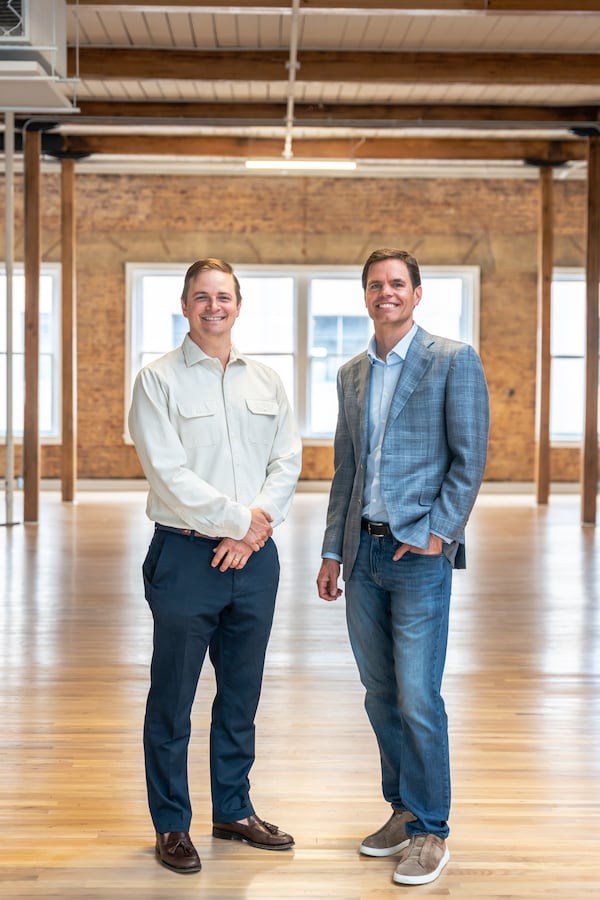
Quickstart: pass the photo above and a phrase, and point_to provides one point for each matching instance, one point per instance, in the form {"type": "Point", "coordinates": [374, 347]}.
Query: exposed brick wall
{"type": "Point", "coordinates": [492, 224]}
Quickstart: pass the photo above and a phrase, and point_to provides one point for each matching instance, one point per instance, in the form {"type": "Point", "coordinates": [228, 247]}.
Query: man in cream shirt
{"type": "Point", "coordinates": [220, 449]}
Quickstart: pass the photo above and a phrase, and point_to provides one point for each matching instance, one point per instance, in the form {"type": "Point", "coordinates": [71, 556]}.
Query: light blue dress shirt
{"type": "Point", "coordinates": [382, 385]}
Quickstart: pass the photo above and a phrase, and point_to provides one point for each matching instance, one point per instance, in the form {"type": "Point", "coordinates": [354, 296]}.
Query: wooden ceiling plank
{"type": "Point", "coordinates": [408, 6]}
{"type": "Point", "coordinates": [400, 5]}
{"type": "Point", "coordinates": [340, 148]}
{"type": "Point", "coordinates": [369, 67]}
{"type": "Point", "coordinates": [542, 6]}
{"type": "Point", "coordinates": [357, 114]}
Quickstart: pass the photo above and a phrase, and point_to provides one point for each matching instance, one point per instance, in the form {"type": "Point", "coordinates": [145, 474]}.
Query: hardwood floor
{"type": "Point", "coordinates": [522, 689]}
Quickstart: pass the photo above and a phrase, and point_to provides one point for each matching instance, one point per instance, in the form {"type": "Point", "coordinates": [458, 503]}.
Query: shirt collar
{"type": "Point", "coordinates": [399, 351]}
{"type": "Point", "coordinates": [192, 353]}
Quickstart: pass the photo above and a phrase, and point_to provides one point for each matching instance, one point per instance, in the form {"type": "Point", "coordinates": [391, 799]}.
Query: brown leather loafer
{"type": "Point", "coordinates": [257, 833]}
{"type": "Point", "coordinates": [176, 851]}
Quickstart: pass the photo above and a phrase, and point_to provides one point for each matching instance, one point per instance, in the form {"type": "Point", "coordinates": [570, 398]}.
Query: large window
{"type": "Point", "coordinates": [567, 342]}
{"type": "Point", "coordinates": [49, 363]}
{"type": "Point", "coordinates": [303, 321]}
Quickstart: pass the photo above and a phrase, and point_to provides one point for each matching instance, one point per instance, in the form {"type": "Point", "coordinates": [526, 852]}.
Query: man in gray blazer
{"type": "Point", "coordinates": [409, 456]}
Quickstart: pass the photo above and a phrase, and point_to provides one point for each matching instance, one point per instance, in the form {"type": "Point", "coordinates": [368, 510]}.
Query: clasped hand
{"type": "Point", "coordinates": [234, 554]}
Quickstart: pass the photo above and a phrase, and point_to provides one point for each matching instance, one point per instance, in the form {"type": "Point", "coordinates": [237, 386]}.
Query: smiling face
{"type": "Point", "coordinates": [390, 298]}
{"type": "Point", "coordinates": [211, 306]}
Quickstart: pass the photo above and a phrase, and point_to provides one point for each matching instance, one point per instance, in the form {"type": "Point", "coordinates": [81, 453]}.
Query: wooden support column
{"type": "Point", "coordinates": [589, 462]}
{"type": "Point", "coordinates": [544, 300]}
{"type": "Point", "coordinates": [31, 429]}
{"type": "Point", "coordinates": [69, 340]}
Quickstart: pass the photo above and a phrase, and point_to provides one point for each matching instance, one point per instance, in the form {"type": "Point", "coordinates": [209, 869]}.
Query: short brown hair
{"type": "Point", "coordinates": [378, 255]}
{"type": "Point", "coordinates": [200, 266]}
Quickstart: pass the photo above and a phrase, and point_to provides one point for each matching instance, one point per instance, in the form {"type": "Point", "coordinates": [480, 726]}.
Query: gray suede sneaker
{"type": "Point", "coordinates": [423, 860]}
{"type": "Point", "coordinates": [390, 838]}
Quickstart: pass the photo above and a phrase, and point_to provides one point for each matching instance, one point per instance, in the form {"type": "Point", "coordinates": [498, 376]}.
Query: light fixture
{"type": "Point", "coordinates": [299, 165]}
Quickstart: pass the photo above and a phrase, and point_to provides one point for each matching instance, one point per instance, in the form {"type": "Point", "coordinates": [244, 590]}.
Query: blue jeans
{"type": "Point", "coordinates": [197, 608]}
{"type": "Point", "coordinates": [397, 614]}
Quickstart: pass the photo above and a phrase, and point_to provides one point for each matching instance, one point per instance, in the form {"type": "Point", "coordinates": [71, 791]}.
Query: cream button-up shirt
{"type": "Point", "coordinates": [213, 443]}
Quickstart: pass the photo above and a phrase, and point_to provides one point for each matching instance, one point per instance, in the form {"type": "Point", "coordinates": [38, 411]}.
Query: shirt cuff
{"type": "Point", "coordinates": [332, 556]}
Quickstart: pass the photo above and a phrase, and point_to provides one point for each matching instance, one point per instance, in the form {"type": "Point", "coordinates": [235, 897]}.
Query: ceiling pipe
{"type": "Point", "coordinates": [9, 469]}
{"type": "Point", "coordinates": [292, 66]}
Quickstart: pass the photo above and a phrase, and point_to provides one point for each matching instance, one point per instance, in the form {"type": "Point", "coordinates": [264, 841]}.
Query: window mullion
{"type": "Point", "coordinates": [303, 366]}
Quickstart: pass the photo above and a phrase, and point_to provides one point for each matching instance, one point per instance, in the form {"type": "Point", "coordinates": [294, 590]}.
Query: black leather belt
{"type": "Point", "coordinates": [376, 529]}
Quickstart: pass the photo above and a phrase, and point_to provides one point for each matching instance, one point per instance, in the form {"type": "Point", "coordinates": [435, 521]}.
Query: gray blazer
{"type": "Point", "coordinates": [434, 448]}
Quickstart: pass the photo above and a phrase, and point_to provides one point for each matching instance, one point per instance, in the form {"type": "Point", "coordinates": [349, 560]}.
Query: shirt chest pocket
{"type": "Point", "coordinates": [198, 426]}
{"type": "Point", "coordinates": [262, 420]}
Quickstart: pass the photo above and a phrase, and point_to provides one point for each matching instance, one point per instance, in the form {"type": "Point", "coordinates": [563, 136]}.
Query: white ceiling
{"type": "Point", "coordinates": [445, 71]}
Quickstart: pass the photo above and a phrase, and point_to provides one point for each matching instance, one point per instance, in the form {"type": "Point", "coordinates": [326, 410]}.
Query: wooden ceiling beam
{"type": "Point", "coordinates": [542, 6]}
{"type": "Point", "coordinates": [325, 66]}
{"type": "Point", "coordinates": [351, 115]}
{"type": "Point", "coordinates": [406, 6]}
{"type": "Point", "coordinates": [337, 148]}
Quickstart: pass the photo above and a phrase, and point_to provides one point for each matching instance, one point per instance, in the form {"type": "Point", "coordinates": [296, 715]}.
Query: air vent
{"type": "Point", "coordinates": [35, 29]}
{"type": "Point", "coordinates": [12, 21]}
{"type": "Point", "coordinates": [33, 55]}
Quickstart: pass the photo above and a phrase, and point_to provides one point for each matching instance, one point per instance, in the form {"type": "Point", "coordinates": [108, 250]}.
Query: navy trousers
{"type": "Point", "coordinates": [195, 608]}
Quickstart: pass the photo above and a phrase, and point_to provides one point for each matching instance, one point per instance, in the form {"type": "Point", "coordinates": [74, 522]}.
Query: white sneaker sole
{"type": "Point", "coordinates": [383, 851]}
{"type": "Point", "coordinates": [422, 879]}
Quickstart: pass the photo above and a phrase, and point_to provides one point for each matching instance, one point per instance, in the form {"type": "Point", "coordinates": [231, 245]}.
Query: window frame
{"type": "Point", "coordinates": [54, 271]}
{"type": "Point", "coordinates": [566, 273]}
{"type": "Point", "coordinates": [302, 276]}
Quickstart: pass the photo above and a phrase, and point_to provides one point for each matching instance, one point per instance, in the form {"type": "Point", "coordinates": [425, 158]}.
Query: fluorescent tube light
{"type": "Point", "coordinates": [298, 165]}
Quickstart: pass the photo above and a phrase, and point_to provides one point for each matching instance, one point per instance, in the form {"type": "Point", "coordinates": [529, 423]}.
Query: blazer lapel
{"type": "Point", "coordinates": [415, 366]}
